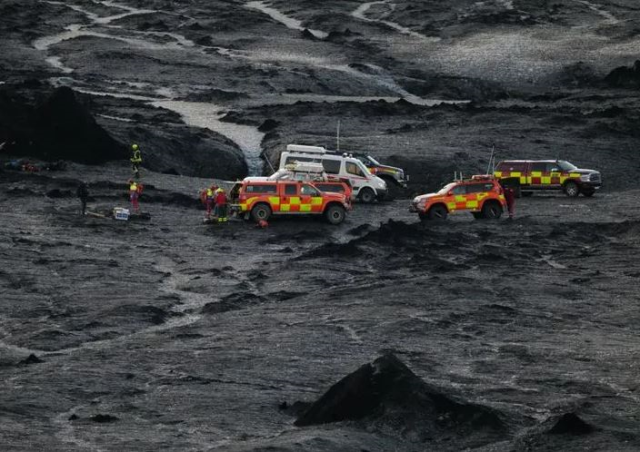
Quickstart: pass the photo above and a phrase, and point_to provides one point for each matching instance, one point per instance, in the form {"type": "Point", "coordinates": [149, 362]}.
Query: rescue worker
{"type": "Point", "coordinates": [136, 160]}
{"type": "Point", "coordinates": [510, 197]}
{"type": "Point", "coordinates": [135, 189]}
{"type": "Point", "coordinates": [83, 195]}
{"type": "Point", "coordinates": [221, 205]}
{"type": "Point", "coordinates": [209, 199]}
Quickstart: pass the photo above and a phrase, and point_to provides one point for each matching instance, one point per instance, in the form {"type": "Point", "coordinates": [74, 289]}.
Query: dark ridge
{"type": "Point", "coordinates": [268, 125]}
{"type": "Point", "coordinates": [103, 418]}
{"type": "Point", "coordinates": [571, 424]}
{"type": "Point", "coordinates": [625, 77]}
{"type": "Point", "coordinates": [349, 249]}
{"type": "Point", "coordinates": [387, 394]}
{"type": "Point", "coordinates": [31, 359]}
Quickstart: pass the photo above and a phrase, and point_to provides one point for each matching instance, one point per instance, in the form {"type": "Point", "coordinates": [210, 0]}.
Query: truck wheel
{"type": "Point", "coordinates": [571, 189]}
{"type": "Point", "coordinates": [260, 212]}
{"type": "Point", "coordinates": [437, 212]}
{"type": "Point", "coordinates": [491, 210]}
{"type": "Point", "coordinates": [335, 214]}
{"type": "Point", "coordinates": [367, 195]}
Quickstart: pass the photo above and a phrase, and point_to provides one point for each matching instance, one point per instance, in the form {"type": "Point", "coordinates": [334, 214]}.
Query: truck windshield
{"type": "Point", "coordinates": [566, 166]}
{"type": "Point", "coordinates": [444, 190]}
{"type": "Point", "coordinates": [356, 168]}
{"type": "Point", "coordinates": [372, 160]}
{"type": "Point", "coordinates": [364, 169]}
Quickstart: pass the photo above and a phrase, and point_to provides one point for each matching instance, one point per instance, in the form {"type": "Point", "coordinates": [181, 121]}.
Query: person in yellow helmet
{"type": "Point", "coordinates": [135, 189]}
{"type": "Point", "coordinates": [136, 159]}
{"type": "Point", "coordinates": [207, 196]}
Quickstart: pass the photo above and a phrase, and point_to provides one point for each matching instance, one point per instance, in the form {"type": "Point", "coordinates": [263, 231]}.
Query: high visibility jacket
{"type": "Point", "coordinates": [135, 188]}
{"type": "Point", "coordinates": [137, 157]}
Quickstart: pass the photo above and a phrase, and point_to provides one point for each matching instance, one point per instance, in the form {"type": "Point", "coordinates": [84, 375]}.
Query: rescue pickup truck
{"type": "Point", "coordinates": [260, 199]}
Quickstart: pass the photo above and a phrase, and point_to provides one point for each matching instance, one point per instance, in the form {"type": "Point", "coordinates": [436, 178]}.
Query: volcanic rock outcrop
{"type": "Point", "coordinates": [58, 128]}
{"type": "Point", "coordinates": [387, 394]}
{"type": "Point", "coordinates": [625, 77]}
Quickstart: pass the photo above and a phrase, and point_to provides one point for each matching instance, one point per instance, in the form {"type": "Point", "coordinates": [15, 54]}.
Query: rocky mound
{"type": "Point", "coordinates": [625, 77]}
{"type": "Point", "coordinates": [60, 127]}
{"type": "Point", "coordinates": [386, 394]}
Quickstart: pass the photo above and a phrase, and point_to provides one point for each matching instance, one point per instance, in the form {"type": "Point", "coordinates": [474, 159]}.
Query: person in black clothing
{"type": "Point", "coordinates": [83, 195]}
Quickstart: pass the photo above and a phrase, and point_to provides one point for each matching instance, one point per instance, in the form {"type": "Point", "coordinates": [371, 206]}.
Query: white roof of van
{"type": "Point", "coordinates": [306, 149]}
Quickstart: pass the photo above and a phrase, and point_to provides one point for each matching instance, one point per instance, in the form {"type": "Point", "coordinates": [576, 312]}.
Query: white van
{"type": "Point", "coordinates": [366, 187]}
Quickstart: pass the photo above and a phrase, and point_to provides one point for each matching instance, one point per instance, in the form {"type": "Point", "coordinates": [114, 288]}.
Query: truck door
{"type": "Point", "coordinates": [458, 199]}
{"type": "Point", "coordinates": [539, 174]}
{"type": "Point", "coordinates": [554, 173]}
{"type": "Point", "coordinates": [357, 178]}
{"type": "Point", "coordinates": [310, 199]}
{"type": "Point", "coordinates": [289, 199]}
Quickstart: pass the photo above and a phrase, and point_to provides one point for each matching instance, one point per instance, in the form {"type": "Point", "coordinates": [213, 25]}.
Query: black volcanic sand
{"type": "Point", "coordinates": [380, 334]}
{"type": "Point", "coordinates": [173, 334]}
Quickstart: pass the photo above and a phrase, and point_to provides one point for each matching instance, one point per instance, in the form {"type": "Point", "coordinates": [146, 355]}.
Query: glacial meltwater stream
{"type": "Point", "coordinates": [204, 114]}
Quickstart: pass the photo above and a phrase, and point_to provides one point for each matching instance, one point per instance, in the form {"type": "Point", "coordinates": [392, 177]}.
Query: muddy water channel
{"type": "Point", "coordinates": [208, 116]}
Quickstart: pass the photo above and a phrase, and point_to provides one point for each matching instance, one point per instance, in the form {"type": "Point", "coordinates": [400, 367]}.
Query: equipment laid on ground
{"type": "Point", "coordinates": [121, 214]}
{"type": "Point", "coordinates": [531, 175]}
{"type": "Point", "coordinates": [366, 186]}
{"type": "Point", "coordinates": [481, 195]}
{"type": "Point", "coordinates": [260, 199]}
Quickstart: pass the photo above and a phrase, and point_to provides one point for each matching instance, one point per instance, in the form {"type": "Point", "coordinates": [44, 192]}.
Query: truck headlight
{"type": "Point", "coordinates": [585, 177]}
{"type": "Point", "coordinates": [419, 203]}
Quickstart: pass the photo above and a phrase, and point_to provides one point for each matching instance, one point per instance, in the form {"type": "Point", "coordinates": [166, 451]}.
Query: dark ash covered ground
{"type": "Point", "coordinates": [172, 335]}
{"type": "Point", "coordinates": [190, 339]}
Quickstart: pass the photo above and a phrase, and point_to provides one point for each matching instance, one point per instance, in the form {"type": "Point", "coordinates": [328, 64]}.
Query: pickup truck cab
{"type": "Point", "coordinates": [536, 175]}
{"type": "Point", "coordinates": [385, 172]}
{"type": "Point", "coordinates": [260, 199]}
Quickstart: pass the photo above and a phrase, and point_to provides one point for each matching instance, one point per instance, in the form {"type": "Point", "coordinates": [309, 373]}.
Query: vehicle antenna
{"type": "Point", "coordinates": [493, 148]}
{"type": "Point", "coordinates": [266, 158]}
{"type": "Point", "coordinates": [338, 137]}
